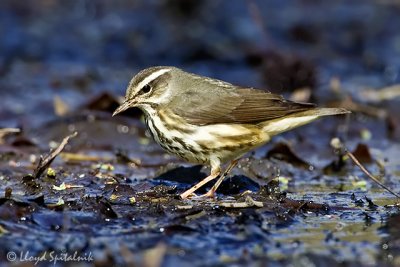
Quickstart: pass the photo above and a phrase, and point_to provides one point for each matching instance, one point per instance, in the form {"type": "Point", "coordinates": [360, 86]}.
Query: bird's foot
{"type": "Point", "coordinates": [209, 194]}
{"type": "Point", "coordinates": [188, 196]}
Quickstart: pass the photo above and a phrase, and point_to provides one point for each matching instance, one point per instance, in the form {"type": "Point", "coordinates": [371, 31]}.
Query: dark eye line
{"type": "Point", "coordinates": [144, 90]}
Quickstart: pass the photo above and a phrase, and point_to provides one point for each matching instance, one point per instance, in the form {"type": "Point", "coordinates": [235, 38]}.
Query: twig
{"type": "Point", "coordinates": [249, 202]}
{"type": "Point", "coordinates": [386, 93]}
{"type": "Point", "coordinates": [337, 144]}
{"type": "Point", "coordinates": [373, 178]}
{"type": "Point", "coordinates": [349, 104]}
{"type": "Point", "coordinates": [45, 162]}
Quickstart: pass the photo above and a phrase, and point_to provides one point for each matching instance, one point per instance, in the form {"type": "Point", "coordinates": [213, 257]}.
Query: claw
{"type": "Point", "coordinates": [191, 195]}
{"type": "Point", "coordinates": [208, 195]}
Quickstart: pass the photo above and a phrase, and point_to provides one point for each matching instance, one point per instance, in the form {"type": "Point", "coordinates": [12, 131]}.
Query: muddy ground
{"type": "Point", "coordinates": [111, 195]}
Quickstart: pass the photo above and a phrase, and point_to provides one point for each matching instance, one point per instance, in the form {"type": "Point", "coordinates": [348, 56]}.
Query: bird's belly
{"type": "Point", "coordinates": [174, 141]}
{"type": "Point", "coordinates": [230, 141]}
{"type": "Point", "coordinates": [198, 144]}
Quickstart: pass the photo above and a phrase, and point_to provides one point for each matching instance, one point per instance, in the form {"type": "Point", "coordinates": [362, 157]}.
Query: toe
{"type": "Point", "coordinates": [209, 194]}
{"type": "Point", "coordinates": [186, 196]}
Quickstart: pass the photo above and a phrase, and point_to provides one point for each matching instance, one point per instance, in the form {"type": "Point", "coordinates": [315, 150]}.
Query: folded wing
{"type": "Point", "coordinates": [238, 105]}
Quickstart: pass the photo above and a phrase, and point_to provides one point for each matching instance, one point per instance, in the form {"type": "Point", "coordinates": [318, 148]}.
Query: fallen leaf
{"type": "Point", "coordinates": [283, 151]}
{"type": "Point", "coordinates": [60, 107]}
{"type": "Point", "coordinates": [59, 188]}
{"type": "Point", "coordinates": [108, 103]}
{"type": "Point", "coordinates": [361, 152]}
{"type": "Point", "coordinates": [6, 131]}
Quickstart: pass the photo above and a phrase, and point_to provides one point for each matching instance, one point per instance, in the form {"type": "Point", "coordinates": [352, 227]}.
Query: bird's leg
{"type": "Point", "coordinates": [211, 192]}
{"type": "Point", "coordinates": [215, 171]}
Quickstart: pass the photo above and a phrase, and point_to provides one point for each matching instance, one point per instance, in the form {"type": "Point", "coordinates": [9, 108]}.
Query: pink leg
{"type": "Point", "coordinates": [214, 174]}
{"type": "Point", "coordinates": [211, 192]}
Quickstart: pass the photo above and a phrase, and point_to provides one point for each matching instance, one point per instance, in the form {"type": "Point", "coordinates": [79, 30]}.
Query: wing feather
{"type": "Point", "coordinates": [233, 105]}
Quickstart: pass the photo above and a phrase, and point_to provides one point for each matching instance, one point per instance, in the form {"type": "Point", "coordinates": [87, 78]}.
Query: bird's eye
{"type": "Point", "coordinates": [146, 89]}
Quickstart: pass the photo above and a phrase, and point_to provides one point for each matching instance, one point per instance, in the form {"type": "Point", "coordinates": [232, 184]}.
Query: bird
{"type": "Point", "coordinates": [209, 121]}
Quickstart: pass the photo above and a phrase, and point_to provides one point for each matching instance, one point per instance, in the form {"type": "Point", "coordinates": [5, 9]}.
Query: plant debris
{"type": "Point", "coordinates": [45, 162]}
{"type": "Point", "coordinates": [338, 145]}
{"type": "Point", "coordinates": [6, 131]}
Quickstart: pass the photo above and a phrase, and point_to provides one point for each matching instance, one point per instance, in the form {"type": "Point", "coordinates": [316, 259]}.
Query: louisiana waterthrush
{"type": "Point", "coordinates": [209, 121]}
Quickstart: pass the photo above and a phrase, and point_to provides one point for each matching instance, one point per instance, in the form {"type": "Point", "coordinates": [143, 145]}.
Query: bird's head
{"type": "Point", "coordinates": [148, 89]}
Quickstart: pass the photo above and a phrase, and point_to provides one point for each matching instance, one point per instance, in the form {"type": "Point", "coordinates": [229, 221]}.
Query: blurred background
{"type": "Point", "coordinates": [77, 49]}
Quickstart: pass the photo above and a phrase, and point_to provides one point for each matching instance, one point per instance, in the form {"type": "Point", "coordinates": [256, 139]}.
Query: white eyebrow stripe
{"type": "Point", "coordinates": [152, 77]}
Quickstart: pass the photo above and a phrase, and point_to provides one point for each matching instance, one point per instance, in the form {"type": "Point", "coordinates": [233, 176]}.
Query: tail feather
{"type": "Point", "coordinates": [276, 126]}
{"type": "Point", "coordinates": [322, 112]}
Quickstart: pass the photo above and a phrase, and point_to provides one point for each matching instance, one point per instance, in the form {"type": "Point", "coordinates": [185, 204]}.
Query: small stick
{"type": "Point", "coordinates": [337, 144]}
{"type": "Point", "coordinates": [373, 178]}
{"type": "Point", "coordinates": [249, 202]}
{"type": "Point", "coordinates": [45, 162]}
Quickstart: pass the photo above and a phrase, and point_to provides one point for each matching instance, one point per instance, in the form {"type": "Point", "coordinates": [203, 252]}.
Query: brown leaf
{"type": "Point", "coordinates": [361, 152]}
{"type": "Point", "coordinates": [109, 103]}
{"type": "Point", "coordinates": [284, 152]}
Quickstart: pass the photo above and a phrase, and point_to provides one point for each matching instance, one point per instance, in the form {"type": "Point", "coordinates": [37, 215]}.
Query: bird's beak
{"type": "Point", "coordinates": [124, 106]}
